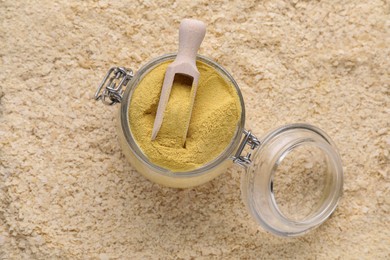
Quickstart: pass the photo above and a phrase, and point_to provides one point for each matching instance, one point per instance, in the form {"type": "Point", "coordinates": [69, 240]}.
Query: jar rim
{"type": "Point", "coordinates": [124, 115]}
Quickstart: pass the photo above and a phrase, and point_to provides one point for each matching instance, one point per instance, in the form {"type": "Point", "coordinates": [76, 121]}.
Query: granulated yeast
{"type": "Point", "coordinates": [214, 120]}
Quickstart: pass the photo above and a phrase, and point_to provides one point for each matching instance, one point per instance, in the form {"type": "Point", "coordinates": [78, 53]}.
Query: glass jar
{"type": "Point", "coordinates": [261, 158]}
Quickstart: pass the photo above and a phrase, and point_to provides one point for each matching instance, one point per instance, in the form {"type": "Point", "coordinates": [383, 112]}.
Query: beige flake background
{"type": "Point", "coordinates": [66, 190]}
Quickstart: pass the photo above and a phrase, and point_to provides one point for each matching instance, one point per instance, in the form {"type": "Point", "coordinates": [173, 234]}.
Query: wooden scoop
{"type": "Point", "coordinates": [191, 34]}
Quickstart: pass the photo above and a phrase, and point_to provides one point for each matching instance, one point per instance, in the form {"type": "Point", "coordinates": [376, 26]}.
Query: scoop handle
{"type": "Point", "coordinates": [191, 34]}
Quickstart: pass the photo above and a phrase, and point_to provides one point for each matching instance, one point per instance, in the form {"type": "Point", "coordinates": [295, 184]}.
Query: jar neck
{"type": "Point", "coordinates": [227, 154]}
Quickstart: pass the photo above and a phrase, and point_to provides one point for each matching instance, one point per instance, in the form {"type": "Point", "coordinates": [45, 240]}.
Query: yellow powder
{"type": "Point", "coordinates": [214, 120]}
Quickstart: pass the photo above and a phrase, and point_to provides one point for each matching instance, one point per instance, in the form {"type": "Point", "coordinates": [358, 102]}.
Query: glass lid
{"type": "Point", "coordinates": [295, 180]}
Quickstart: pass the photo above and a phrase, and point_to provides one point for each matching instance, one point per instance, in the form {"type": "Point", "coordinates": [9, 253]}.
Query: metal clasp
{"type": "Point", "coordinates": [250, 140]}
{"type": "Point", "coordinates": [113, 85]}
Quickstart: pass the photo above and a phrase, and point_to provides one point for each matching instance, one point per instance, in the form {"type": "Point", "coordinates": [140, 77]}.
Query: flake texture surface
{"type": "Point", "coordinates": [67, 191]}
